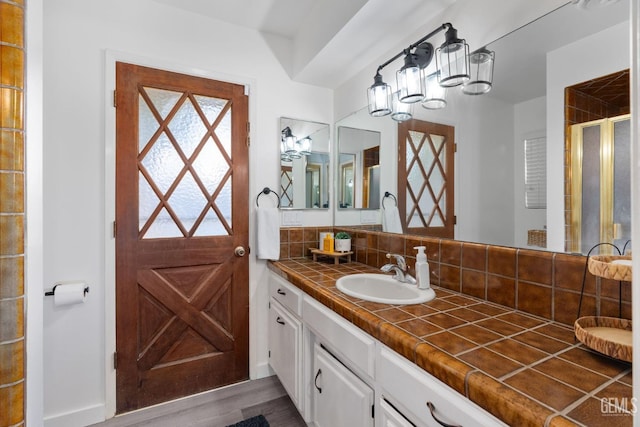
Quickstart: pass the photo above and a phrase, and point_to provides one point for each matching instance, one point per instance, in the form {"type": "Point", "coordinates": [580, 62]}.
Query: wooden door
{"type": "Point", "coordinates": [181, 210]}
{"type": "Point", "coordinates": [426, 178]}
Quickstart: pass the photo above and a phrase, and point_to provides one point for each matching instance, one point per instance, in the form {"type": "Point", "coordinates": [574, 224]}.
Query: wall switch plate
{"type": "Point", "coordinates": [291, 218]}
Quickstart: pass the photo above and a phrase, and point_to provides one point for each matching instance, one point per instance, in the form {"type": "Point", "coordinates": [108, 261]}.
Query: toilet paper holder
{"type": "Point", "coordinates": [52, 292]}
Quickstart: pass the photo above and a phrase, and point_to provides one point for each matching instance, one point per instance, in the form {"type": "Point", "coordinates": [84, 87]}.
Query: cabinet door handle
{"type": "Point", "coordinates": [281, 292]}
{"type": "Point", "coordinates": [432, 409]}
{"type": "Point", "coordinates": [279, 320]}
{"type": "Point", "coordinates": [315, 381]}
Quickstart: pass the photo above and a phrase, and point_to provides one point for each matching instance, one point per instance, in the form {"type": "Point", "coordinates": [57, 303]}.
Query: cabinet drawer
{"type": "Point", "coordinates": [341, 336]}
{"type": "Point", "coordinates": [409, 388]}
{"type": "Point", "coordinates": [285, 293]}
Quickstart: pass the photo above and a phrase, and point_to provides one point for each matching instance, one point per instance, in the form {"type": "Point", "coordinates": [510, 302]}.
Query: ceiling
{"type": "Point", "coordinates": [316, 41]}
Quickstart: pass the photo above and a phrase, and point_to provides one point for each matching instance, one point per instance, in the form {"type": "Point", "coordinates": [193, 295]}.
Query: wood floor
{"type": "Point", "coordinates": [219, 408]}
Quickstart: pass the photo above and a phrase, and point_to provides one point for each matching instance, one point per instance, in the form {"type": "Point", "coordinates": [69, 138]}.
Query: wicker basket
{"type": "Point", "coordinates": [611, 267]}
{"type": "Point", "coordinates": [607, 335]}
{"type": "Point", "coordinates": [537, 238]}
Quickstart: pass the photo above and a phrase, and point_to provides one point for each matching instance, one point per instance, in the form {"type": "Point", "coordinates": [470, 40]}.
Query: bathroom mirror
{"type": "Point", "coordinates": [358, 168]}
{"type": "Point", "coordinates": [304, 164]}
{"type": "Point", "coordinates": [533, 66]}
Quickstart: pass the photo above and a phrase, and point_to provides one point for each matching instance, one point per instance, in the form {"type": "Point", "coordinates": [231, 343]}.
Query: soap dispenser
{"type": "Point", "coordinates": [422, 269]}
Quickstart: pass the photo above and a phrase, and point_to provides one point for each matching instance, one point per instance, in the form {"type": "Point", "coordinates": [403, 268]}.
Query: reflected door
{"type": "Point", "coordinates": [181, 209]}
{"type": "Point", "coordinates": [600, 184]}
{"type": "Point", "coordinates": [426, 178]}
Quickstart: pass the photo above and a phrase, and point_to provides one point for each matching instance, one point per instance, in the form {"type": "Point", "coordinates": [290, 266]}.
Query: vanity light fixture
{"type": "Point", "coordinates": [435, 95]}
{"type": "Point", "coordinates": [453, 68]}
{"type": "Point", "coordinates": [402, 111]}
{"type": "Point", "coordinates": [305, 146]}
{"type": "Point", "coordinates": [481, 63]}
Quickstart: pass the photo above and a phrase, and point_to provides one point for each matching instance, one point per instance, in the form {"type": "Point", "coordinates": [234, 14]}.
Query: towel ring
{"type": "Point", "coordinates": [387, 194]}
{"type": "Point", "coordinates": [267, 190]}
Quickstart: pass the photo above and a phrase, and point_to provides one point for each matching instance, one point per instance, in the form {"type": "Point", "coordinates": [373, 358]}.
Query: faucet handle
{"type": "Point", "coordinates": [399, 260]}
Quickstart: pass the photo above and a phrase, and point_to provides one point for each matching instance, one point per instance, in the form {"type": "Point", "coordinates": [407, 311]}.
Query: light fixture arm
{"type": "Point", "coordinates": [445, 26]}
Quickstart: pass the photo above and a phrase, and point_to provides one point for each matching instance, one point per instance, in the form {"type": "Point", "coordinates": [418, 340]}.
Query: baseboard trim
{"type": "Point", "coordinates": [83, 417]}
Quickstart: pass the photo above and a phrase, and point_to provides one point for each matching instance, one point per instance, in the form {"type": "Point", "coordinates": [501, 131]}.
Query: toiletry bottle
{"type": "Point", "coordinates": [422, 269]}
{"type": "Point", "coordinates": [327, 244]}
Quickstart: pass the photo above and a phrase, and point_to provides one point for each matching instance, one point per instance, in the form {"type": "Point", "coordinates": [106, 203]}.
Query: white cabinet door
{"type": "Point", "coordinates": [341, 399]}
{"type": "Point", "coordinates": [390, 417]}
{"type": "Point", "coordinates": [285, 350]}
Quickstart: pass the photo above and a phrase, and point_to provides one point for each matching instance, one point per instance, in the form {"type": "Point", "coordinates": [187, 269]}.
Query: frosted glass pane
{"type": "Point", "coordinates": [590, 188]}
{"type": "Point", "coordinates": [163, 100]}
{"type": "Point", "coordinates": [163, 226]}
{"type": "Point", "coordinates": [622, 181]}
{"type": "Point", "coordinates": [147, 199]}
{"type": "Point", "coordinates": [223, 132]}
{"type": "Point", "coordinates": [223, 202]}
{"type": "Point", "coordinates": [187, 201]}
{"type": "Point", "coordinates": [163, 163]}
{"type": "Point", "coordinates": [147, 124]}
{"type": "Point", "coordinates": [211, 166]}
{"type": "Point", "coordinates": [211, 226]}
{"type": "Point", "coordinates": [211, 107]}
{"type": "Point", "coordinates": [187, 128]}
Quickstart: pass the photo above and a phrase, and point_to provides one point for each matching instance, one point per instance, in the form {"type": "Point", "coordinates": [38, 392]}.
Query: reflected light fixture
{"type": "Point", "coordinates": [435, 95]}
{"type": "Point", "coordinates": [481, 63]}
{"type": "Point", "coordinates": [453, 68]}
{"type": "Point", "coordinates": [402, 111]}
{"type": "Point", "coordinates": [305, 146]}
{"type": "Point", "coordinates": [289, 144]}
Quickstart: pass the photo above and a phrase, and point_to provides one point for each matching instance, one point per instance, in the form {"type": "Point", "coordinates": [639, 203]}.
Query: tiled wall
{"type": "Point", "coordinates": [12, 353]}
{"type": "Point", "coordinates": [543, 283]}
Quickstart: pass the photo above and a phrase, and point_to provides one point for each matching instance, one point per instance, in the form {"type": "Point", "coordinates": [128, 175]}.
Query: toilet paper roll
{"type": "Point", "coordinates": [69, 293]}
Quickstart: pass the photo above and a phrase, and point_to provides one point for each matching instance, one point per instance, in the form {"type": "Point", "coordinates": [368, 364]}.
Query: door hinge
{"type": "Point", "coordinates": [455, 147]}
{"type": "Point", "coordinates": [455, 220]}
{"type": "Point", "coordinates": [115, 103]}
{"type": "Point", "coordinates": [248, 134]}
{"type": "Point", "coordinates": [115, 229]}
{"type": "Point", "coordinates": [115, 360]}
{"type": "Point", "coordinates": [373, 411]}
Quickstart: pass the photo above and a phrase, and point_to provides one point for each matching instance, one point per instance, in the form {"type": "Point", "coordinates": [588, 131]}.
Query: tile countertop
{"type": "Point", "coordinates": [525, 370]}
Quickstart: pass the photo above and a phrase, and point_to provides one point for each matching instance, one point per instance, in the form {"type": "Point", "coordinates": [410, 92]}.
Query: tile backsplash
{"type": "Point", "coordinates": [546, 284]}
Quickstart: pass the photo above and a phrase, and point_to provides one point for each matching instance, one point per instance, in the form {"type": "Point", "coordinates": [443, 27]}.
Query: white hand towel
{"type": "Point", "coordinates": [391, 220]}
{"type": "Point", "coordinates": [268, 233]}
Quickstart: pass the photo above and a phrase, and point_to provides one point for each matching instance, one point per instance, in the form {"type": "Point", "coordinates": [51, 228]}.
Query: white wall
{"type": "Point", "coordinates": [598, 55]}
{"type": "Point", "coordinates": [81, 41]}
{"type": "Point", "coordinates": [529, 122]}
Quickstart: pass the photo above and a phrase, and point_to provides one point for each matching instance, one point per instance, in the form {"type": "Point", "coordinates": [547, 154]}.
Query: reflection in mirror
{"type": "Point", "coordinates": [304, 164]}
{"type": "Point", "coordinates": [526, 103]}
{"type": "Point", "coordinates": [359, 168]}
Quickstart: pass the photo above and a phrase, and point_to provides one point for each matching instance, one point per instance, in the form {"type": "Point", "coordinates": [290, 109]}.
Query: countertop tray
{"type": "Point", "coordinates": [610, 336]}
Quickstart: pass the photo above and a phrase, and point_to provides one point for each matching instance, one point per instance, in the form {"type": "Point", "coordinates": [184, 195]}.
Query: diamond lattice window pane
{"type": "Point", "coordinates": [147, 124]}
{"type": "Point", "coordinates": [163, 100]}
{"type": "Point", "coordinates": [187, 201]}
{"type": "Point", "coordinates": [211, 166]}
{"type": "Point", "coordinates": [147, 199]}
{"type": "Point", "coordinates": [187, 128]}
{"type": "Point", "coordinates": [211, 226]}
{"type": "Point", "coordinates": [163, 163]}
{"type": "Point", "coordinates": [163, 226]}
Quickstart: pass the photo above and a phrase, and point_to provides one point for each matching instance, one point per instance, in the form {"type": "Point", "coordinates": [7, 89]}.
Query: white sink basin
{"type": "Point", "coordinates": [383, 288]}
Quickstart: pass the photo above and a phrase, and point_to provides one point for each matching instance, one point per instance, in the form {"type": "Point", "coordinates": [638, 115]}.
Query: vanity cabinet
{"type": "Point", "coordinates": [285, 338]}
{"type": "Point", "coordinates": [423, 399]}
{"type": "Point", "coordinates": [337, 375]}
{"type": "Point", "coordinates": [340, 398]}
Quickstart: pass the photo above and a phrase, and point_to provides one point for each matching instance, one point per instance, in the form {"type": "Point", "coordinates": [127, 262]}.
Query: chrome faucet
{"type": "Point", "coordinates": [400, 269]}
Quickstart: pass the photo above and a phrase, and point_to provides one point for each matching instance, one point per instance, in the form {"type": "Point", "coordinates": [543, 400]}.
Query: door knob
{"type": "Point", "coordinates": [239, 251]}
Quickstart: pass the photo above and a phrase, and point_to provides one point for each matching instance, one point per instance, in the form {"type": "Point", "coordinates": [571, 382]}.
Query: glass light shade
{"type": "Point", "coordinates": [401, 110]}
{"type": "Point", "coordinates": [452, 61]}
{"type": "Point", "coordinates": [435, 97]}
{"type": "Point", "coordinates": [289, 144]}
{"type": "Point", "coordinates": [481, 64]}
{"type": "Point", "coordinates": [379, 97]}
{"type": "Point", "coordinates": [409, 79]}
{"type": "Point", "coordinates": [305, 146]}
